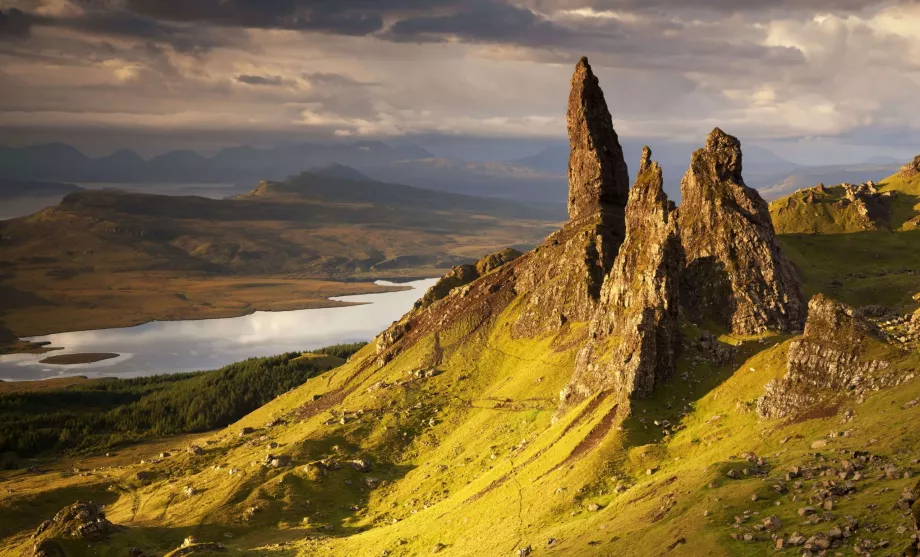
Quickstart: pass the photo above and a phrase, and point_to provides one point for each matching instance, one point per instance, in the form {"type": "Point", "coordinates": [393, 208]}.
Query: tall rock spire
{"type": "Point", "coordinates": [737, 275]}
{"type": "Point", "coordinates": [597, 172]}
{"type": "Point", "coordinates": [568, 270]}
{"type": "Point", "coordinates": [633, 335]}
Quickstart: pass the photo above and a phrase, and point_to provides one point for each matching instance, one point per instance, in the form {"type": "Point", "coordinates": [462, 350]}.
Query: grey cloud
{"type": "Point", "coordinates": [14, 23]}
{"type": "Point", "coordinates": [269, 80]}
{"type": "Point", "coordinates": [482, 20]}
{"type": "Point", "coordinates": [327, 16]}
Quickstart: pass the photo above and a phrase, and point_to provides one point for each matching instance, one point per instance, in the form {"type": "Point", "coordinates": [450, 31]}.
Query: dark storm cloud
{"type": "Point", "coordinates": [326, 16]}
{"type": "Point", "coordinates": [269, 80]}
{"type": "Point", "coordinates": [14, 23]}
{"type": "Point", "coordinates": [482, 20]}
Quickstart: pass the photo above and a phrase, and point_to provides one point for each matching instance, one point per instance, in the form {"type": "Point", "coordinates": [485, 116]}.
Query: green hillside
{"type": "Point", "coordinates": [892, 204]}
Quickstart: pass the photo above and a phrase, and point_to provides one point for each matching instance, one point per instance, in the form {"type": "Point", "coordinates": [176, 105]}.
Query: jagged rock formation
{"type": "Point", "coordinates": [736, 275]}
{"type": "Point", "coordinates": [566, 272]}
{"type": "Point", "coordinates": [559, 281]}
{"type": "Point", "coordinates": [911, 169]}
{"type": "Point", "coordinates": [829, 362]}
{"type": "Point", "coordinates": [597, 170]}
{"type": "Point", "coordinates": [633, 336]}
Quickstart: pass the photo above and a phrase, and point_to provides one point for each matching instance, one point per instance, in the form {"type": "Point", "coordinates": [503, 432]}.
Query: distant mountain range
{"type": "Point", "coordinates": [540, 177]}
{"type": "Point", "coordinates": [761, 167]}
{"type": "Point", "coordinates": [59, 161]}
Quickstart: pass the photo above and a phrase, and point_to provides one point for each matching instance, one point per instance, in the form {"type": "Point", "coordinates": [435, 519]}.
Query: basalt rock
{"type": "Point", "coordinates": [559, 281]}
{"type": "Point", "coordinates": [911, 169]}
{"type": "Point", "coordinates": [565, 274]}
{"type": "Point", "coordinates": [597, 171]}
{"type": "Point", "coordinates": [829, 363]}
{"type": "Point", "coordinates": [633, 335]}
{"type": "Point", "coordinates": [462, 275]}
{"type": "Point", "coordinates": [736, 274]}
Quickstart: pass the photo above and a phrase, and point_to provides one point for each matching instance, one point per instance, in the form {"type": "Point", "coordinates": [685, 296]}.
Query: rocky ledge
{"type": "Point", "coordinates": [829, 364]}
{"type": "Point", "coordinates": [911, 169]}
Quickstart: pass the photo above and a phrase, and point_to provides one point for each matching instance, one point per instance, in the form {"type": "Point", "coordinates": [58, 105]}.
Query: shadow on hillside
{"type": "Point", "coordinates": [25, 513]}
{"type": "Point", "coordinates": [694, 379]}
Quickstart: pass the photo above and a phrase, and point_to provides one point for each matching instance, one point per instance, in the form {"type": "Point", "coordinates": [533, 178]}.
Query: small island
{"type": "Point", "coordinates": [83, 358]}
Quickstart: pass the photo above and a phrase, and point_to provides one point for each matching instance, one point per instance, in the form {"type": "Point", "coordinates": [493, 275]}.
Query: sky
{"type": "Point", "coordinates": [815, 80]}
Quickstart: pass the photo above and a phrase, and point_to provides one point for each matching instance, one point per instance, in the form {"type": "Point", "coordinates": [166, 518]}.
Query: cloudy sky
{"type": "Point", "coordinates": [821, 79]}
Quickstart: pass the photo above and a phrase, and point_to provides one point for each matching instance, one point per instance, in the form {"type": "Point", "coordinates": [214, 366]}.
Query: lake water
{"type": "Point", "coordinates": [177, 346]}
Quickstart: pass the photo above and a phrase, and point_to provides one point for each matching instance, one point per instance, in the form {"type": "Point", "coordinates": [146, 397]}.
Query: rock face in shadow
{"type": "Point", "coordinates": [566, 272]}
{"type": "Point", "coordinates": [597, 170]}
{"type": "Point", "coordinates": [560, 281]}
{"type": "Point", "coordinates": [737, 275]}
{"type": "Point", "coordinates": [634, 340]}
{"type": "Point", "coordinates": [831, 362]}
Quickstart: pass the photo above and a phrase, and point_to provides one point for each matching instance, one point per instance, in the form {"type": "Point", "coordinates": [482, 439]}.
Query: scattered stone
{"type": "Point", "coordinates": [361, 465]}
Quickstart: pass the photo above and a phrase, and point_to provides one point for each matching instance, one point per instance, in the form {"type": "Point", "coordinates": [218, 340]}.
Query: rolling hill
{"type": "Point", "coordinates": [132, 257]}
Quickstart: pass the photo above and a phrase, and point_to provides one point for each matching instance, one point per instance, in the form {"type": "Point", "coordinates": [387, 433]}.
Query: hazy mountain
{"type": "Point", "coordinates": [58, 161]}
{"type": "Point", "coordinates": [761, 166]}
{"type": "Point", "coordinates": [829, 175]}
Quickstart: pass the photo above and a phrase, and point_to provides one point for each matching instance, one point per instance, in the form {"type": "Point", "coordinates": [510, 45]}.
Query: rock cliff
{"type": "Point", "coordinates": [633, 339]}
{"type": "Point", "coordinates": [565, 274]}
{"type": "Point", "coordinates": [737, 275]}
{"type": "Point", "coordinates": [911, 169]}
{"type": "Point", "coordinates": [830, 363]}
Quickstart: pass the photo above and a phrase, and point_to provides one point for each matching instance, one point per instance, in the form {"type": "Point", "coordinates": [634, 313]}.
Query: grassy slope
{"type": "Point", "coordinates": [473, 459]}
{"type": "Point", "coordinates": [823, 214]}
{"type": "Point", "coordinates": [491, 472]}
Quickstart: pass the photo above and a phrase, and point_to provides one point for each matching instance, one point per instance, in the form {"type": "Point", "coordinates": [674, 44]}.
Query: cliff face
{"type": "Point", "coordinates": [828, 364]}
{"type": "Point", "coordinates": [597, 171]}
{"type": "Point", "coordinates": [566, 272]}
{"type": "Point", "coordinates": [559, 281]}
{"type": "Point", "coordinates": [634, 339]}
{"type": "Point", "coordinates": [619, 265]}
{"type": "Point", "coordinates": [736, 275]}
{"type": "Point", "coordinates": [911, 169]}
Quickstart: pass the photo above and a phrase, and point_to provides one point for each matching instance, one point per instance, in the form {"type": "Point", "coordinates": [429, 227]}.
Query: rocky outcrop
{"type": "Point", "coordinates": [597, 171]}
{"type": "Point", "coordinates": [559, 281]}
{"type": "Point", "coordinates": [84, 520]}
{"type": "Point", "coordinates": [495, 260]}
{"type": "Point", "coordinates": [736, 274]}
{"type": "Point", "coordinates": [912, 169]}
{"type": "Point", "coordinates": [634, 337]}
{"type": "Point", "coordinates": [457, 276]}
{"type": "Point", "coordinates": [455, 279]}
{"type": "Point", "coordinates": [833, 209]}
{"type": "Point", "coordinates": [830, 362]}
{"type": "Point", "coordinates": [462, 275]}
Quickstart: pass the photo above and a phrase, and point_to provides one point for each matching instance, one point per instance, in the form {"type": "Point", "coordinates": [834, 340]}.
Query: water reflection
{"type": "Point", "coordinates": [176, 346]}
